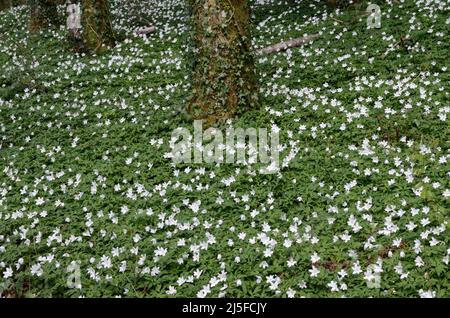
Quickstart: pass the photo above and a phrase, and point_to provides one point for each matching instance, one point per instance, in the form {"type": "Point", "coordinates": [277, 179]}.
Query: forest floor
{"type": "Point", "coordinates": [360, 204]}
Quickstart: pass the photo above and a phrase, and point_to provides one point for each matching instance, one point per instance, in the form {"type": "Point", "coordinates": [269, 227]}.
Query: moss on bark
{"type": "Point", "coordinates": [43, 13]}
{"type": "Point", "coordinates": [98, 32]}
{"type": "Point", "coordinates": [224, 81]}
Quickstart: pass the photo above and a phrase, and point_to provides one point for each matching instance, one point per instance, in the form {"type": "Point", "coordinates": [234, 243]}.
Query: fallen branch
{"type": "Point", "coordinates": [287, 44]}
{"type": "Point", "coordinates": [337, 20]}
{"type": "Point", "coordinates": [145, 30]}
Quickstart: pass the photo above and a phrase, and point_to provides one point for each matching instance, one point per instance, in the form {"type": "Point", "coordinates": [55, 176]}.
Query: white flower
{"type": "Point", "coordinates": [427, 294]}
{"type": "Point", "coordinates": [273, 281]}
{"type": "Point", "coordinates": [201, 294]}
{"type": "Point", "coordinates": [36, 270]}
{"type": "Point", "coordinates": [446, 193]}
{"type": "Point", "coordinates": [302, 284]}
{"type": "Point", "coordinates": [315, 258]}
{"type": "Point", "coordinates": [124, 209]}
{"type": "Point", "coordinates": [8, 273]}
{"type": "Point", "coordinates": [136, 238]}
{"type": "Point", "coordinates": [314, 272]}
{"type": "Point", "coordinates": [287, 243]}
{"type": "Point", "coordinates": [290, 293]}
{"type": "Point", "coordinates": [291, 262]}
{"type": "Point", "coordinates": [418, 261]}
{"type": "Point", "coordinates": [160, 251]}
{"type": "Point", "coordinates": [195, 206]}
{"type": "Point", "coordinates": [40, 201]}
{"type": "Point", "coordinates": [105, 261]}
{"type": "Point", "coordinates": [155, 271]}
{"type": "Point", "coordinates": [356, 268]}
{"type": "Point", "coordinates": [123, 266]}
{"type": "Point", "coordinates": [171, 291]}
{"type": "Point", "coordinates": [350, 185]}
{"type": "Point", "coordinates": [333, 286]}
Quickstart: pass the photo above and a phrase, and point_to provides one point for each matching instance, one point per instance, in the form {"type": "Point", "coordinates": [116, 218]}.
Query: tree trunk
{"type": "Point", "coordinates": [43, 14]}
{"type": "Point", "coordinates": [342, 4]}
{"type": "Point", "coordinates": [5, 4]}
{"type": "Point", "coordinates": [98, 32]}
{"type": "Point", "coordinates": [224, 81]}
{"type": "Point", "coordinates": [16, 3]}
{"type": "Point", "coordinates": [283, 46]}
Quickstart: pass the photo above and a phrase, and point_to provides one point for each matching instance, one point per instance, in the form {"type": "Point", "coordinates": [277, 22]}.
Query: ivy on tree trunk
{"type": "Point", "coordinates": [224, 80]}
{"type": "Point", "coordinates": [43, 14]}
{"type": "Point", "coordinates": [98, 32]}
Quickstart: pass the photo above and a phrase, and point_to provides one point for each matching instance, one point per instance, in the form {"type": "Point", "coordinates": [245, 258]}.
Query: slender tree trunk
{"type": "Point", "coordinates": [5, 4]}
{"type": "Point", "coordinates": [224, 81]}
{"type": "Point", "coordinates": [43, 14]}
{"type": "Point", "coordinates": [98, 32]}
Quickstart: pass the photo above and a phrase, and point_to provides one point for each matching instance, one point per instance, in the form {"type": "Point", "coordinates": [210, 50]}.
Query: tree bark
{"type": "Point", "coordinates": [5, 4]}
{"type": "Point", "coordinates": [43, 14]}
{"type": "Point", "coordinates": [342, 4]}
{"type": "Point", "coordinates": [98, 32]}
{"type": "Point", "coordinates": [224, 80]}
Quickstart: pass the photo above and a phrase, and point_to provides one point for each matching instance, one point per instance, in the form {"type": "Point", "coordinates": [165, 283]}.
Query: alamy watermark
{"type": "Point", "coordinates": [74, 279]}
{"type": "Point", "coordinates": [74, 16]}
{"type": "Point", "coordinates": [373, 276]}
{"type": "Point", "coordinates": [238, 145]}
{"type": "Point", "coordinates": [374, 18]}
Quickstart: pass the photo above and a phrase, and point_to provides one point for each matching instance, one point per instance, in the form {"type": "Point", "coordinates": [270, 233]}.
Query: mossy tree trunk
{"type": "Point", "coordinates": [224, 80]}
{"type": "Point", "coordinates": [16, 3]}
{"type": "Point", "coordinates": [5, 4]}
{"type": "Point", "coordinates": [98, 33]}
{"type": "Point", "coordinates": [43, 14]}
